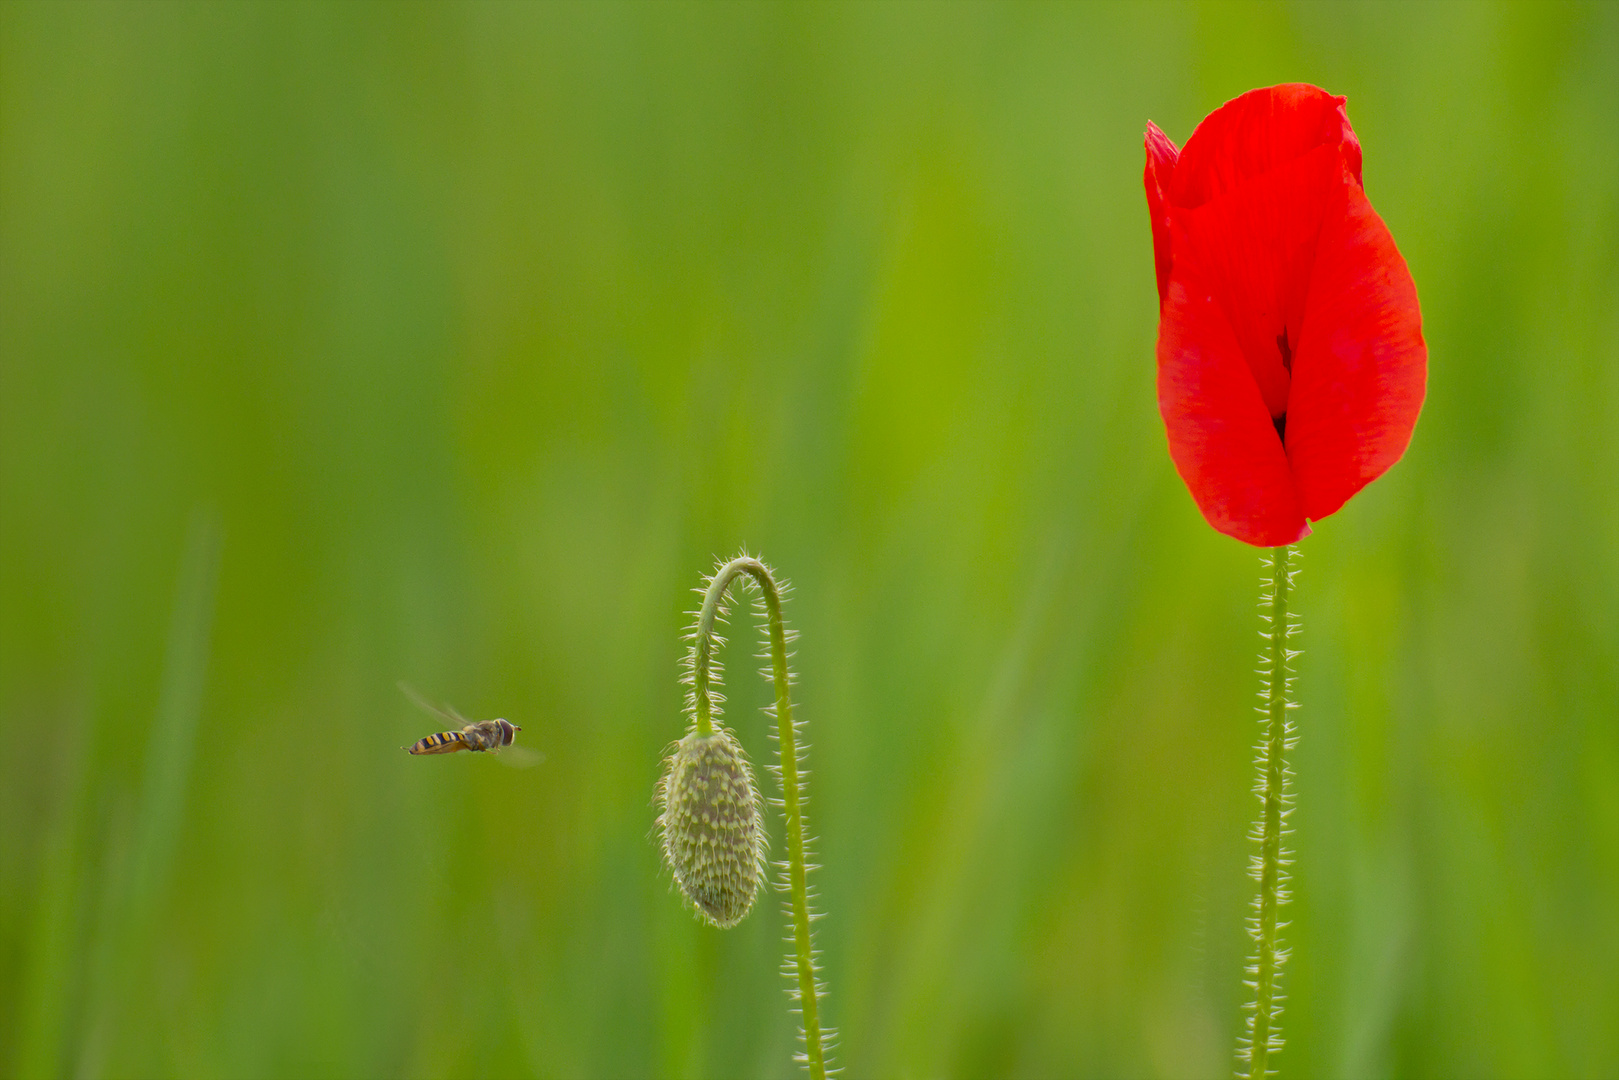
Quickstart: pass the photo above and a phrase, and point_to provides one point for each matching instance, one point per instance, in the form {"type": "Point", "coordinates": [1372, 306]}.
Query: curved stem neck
{"type": "Point", "coordinates": [792, 801]}
{"type": "Point", "coordinates": [703, 638]}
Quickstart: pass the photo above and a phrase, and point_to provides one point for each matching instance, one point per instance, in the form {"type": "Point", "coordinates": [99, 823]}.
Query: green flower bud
{"type": "Point", "coordinates": [713, 827]}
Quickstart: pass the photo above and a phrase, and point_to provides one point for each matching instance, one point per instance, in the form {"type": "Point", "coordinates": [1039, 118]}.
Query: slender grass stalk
{"type": "Point", "coordinates": [138, 870]}
{"type": "Point", "coordinates": [706, 836]}
{"type": "Point", "coordinates": [1263, 1039]}
{"type": "Point", "coordinates": [44, 1007]}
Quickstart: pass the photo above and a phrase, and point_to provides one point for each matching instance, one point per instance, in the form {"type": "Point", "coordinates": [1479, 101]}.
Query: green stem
{"type": "Point", "coordinates": [1270, 868]}
{"type": "Point", "coordinates": [792, 801]}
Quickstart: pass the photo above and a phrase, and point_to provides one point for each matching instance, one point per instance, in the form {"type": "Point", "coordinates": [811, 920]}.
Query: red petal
{"type": "Point", "coordinates": [1257, 132]}
{"type": "Point", "coordinates": [1281, 294]}
{"type": "Point", "coordinates": [1161, 155]}
{"type": "Point", "coordinates": [1220, 433]}
{"type": "Point", "coordinates": [1254, 245]}
{"type": "Point", "coordinates": [1360, 368]}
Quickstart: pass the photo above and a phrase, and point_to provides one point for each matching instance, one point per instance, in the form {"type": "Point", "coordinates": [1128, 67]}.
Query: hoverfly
{"type": "Point", "coordinates": [491, 735]}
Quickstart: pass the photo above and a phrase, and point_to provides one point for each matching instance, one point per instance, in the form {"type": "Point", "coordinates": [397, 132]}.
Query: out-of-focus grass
{"type": "Point", "coordinates": [484, 328]}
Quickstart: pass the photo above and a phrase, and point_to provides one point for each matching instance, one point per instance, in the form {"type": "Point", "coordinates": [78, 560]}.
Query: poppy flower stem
{"type": "Point", "coordinates": [801, 965]}
{"type": "Point", "coordinates": [1263, 1038]}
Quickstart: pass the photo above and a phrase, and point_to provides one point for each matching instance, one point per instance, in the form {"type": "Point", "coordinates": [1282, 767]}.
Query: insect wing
{"type": "Point", "coordinates": [520, 757]}
{"type": "Point", "coordinates": [445, 713]}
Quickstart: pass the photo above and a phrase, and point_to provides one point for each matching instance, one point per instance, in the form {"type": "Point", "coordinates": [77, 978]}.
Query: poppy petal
{"type": "Point", "coordinates": [1291, 366]}
{"type": "Point", "coordinates": [1253, 134]}
{"type": "Point", "coordinates": [1161, 155]}
{"type": "Point", "coordinates": [1360, 369]}
{"type": "Point", "coordinates": [1255, 244]}
{"type": "Point", "coordinates": [1221, 437]}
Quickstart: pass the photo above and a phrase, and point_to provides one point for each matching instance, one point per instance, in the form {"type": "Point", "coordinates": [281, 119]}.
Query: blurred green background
{"type": "Point", "coordinates": [343, 344]}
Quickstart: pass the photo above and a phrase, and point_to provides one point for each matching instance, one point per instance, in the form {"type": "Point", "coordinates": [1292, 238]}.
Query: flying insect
{"type": "Point", "coordinates": [477, 736]}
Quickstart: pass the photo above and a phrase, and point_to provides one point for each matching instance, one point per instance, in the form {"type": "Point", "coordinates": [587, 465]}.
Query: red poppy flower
{"type": "Point", "coordinates": [1291, 366]}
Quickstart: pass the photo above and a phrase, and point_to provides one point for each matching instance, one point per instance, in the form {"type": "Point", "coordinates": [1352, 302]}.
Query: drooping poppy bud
{"type": "Point", "coordinates": [1291, 365]}
{"type": "Point", "coordinates": [713, 828]}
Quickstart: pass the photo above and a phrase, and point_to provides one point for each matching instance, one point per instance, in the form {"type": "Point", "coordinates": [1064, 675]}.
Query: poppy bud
{"type": "Point", "coordinates": [713, 828]}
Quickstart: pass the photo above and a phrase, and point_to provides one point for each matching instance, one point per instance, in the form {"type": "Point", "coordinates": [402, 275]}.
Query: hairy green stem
{"type": "Point", "coordinates": [1270, 866]}
{"type": "Point", "coordinates": [792, 802]}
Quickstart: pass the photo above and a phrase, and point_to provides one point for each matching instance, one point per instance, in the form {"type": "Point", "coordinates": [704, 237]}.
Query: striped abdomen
{"type": "Point", "coordinates": [445, 742]}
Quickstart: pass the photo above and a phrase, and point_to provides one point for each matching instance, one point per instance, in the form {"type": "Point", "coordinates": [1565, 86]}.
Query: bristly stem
{"type": "Point", "coordinates": [1263, 1039]}
{"type": "Point", "coordinates": [795, 869]}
